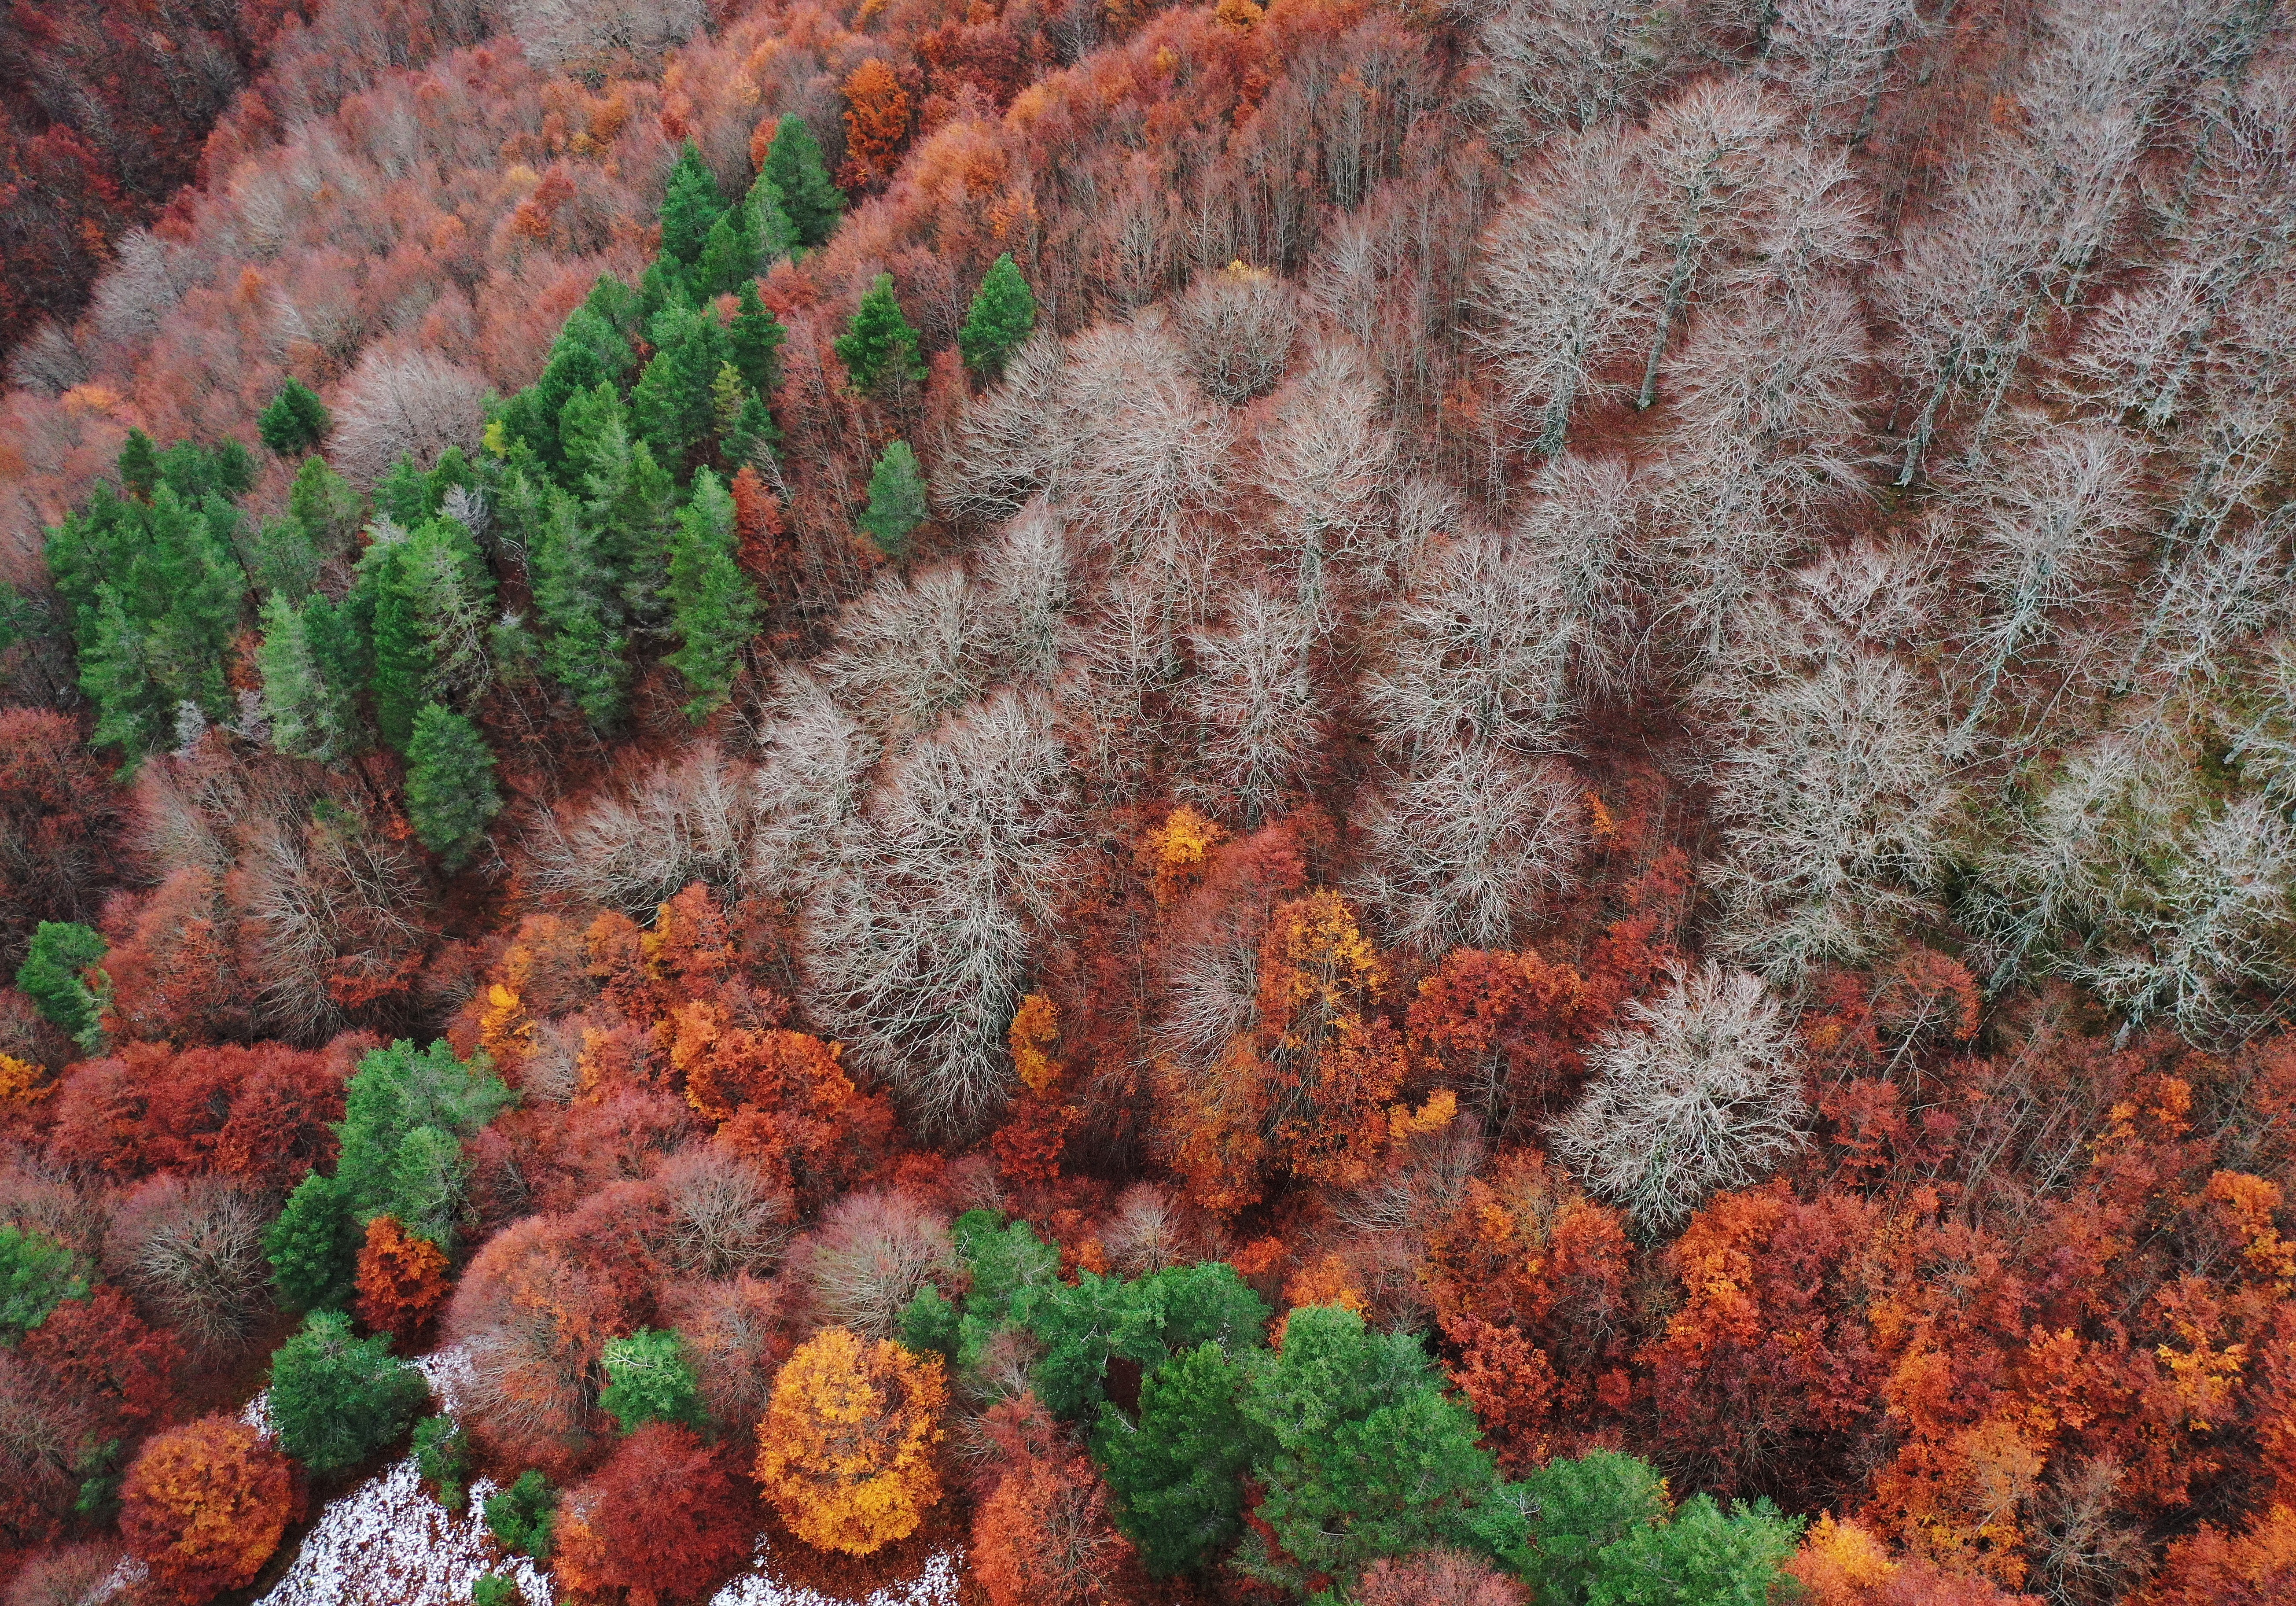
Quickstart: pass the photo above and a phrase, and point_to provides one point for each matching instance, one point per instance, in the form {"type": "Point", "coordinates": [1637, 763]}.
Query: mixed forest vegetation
{"type": "Point", "coordinates": [1394, 802]}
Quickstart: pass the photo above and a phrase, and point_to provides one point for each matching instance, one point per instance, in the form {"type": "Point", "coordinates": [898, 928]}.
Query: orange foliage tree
{"type": "Point", "coordinates": [402, 1282]}
{"type": "Point", "coordinates": [845, 1451]}
{"type": "Point", "coordinates": [1044, 1536]}
{"type": "Point", "coordinates": [203, 1506]}
{"type": "Point", "coordinates": [876, 122]}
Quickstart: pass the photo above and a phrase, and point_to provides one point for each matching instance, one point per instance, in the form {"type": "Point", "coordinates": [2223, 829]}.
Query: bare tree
{"type": "Point", "coordinates": [1565, 277]}
{"type": "Point", "coordinates": [1830, 797]}
{"type": "Point", "coordinates": [909, 649]}
{"type": "Point", "coordinates": [1693, 1093]}
{"type": "Point", "coordinates": [1769, 393]}
{"type": "Point", "coordinates": [725, 1218]}
{"type": "Point", "coordinates": [401, 403]}
{"type": "Point", "coordinates": [1481, 651]}
{"type": "Point", "coordinates": [596, 37]}
{"type": "Point", "coordinates": [1028, 586]}
{"type": "Point", "coordinates": [2047, 528]}
{"type": "Point", "coordinates": [871, 1255]}
{"type": "Point", "coordinates": [1702, 154]}
{"type": "Point", "coordinates": [1830, 56]}
{"type": "Point", "coordinates": [809, 791]}
{"type": "Point", "coordinates": [1323, 462]}
{"type": "Point", "coordinates": [331, 906]}
{"type": "Point", "coordinates": [921, 937]}
{"type": "Point", "coordinates": [1461, 849]}
{"type": "Point", "coordinates": [1255, 698]}
{"type": "Point", "coordinates": [1116, 660]}
{"type": "Point", "coordinates": [1567, 63]}
{"type": "Point", "coordinates": [191, 1250]}
{"type": "Point", "coordinates": [686, 821]}
{"type": "Point", "coordinates": [1142, 1235]}
{"type": "Point", "coordinates": [1237, 325]}
{"type": "Point", "coordinates": [1011, 443]}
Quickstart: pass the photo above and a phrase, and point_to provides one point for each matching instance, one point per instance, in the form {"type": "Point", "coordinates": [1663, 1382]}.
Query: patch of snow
{"type": "Point", "coordinates": [936, 1585]}
{"type": "Point", "coordinates": [388, 1540]}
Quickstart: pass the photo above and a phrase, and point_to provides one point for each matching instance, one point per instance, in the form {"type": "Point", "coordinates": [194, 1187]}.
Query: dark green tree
{"type": "Point", "coordinates": [755, 338]}
{"type": "Point", "coordinates": [313, 1246]}
{"type": "Point", "coordinates": [336, 1399]}
{"type": "Point", "coordinates": [793, 162]}
{"type": "Point", "coordinates": [880, 347]}
{"type": "Point", "coordinates": [36, 1274]}
{"type": "Point", "coordinates": [442, 1455]}
{"type": "Point", "coordinates": [577, 595]}
{"type": "Point", "coordinates": [139, 465]}
{"type": "Point", "coordinates": [731, 257]}
{"type": "Point", "coordinates": [450, 784]}
{"type": "Point", "coordinates": [405, 1115]}
{"type": "Point", "coordinates": [297, 421]}
{"type": "Point", "coordinates": [670, 407]}
{"type": "Point", "coordinates": [1579, 1508]}
{"type": "Point", "coordinates": [930, 1324]}
{"type": "Point", "coordinates": [690, 208]}
{"type": "Point", "coordinates": [53, 977]}
{"type": "Point", "coordinates": [329, 512]}
{"type": "Point", "coordinates": [305, 697]}
{"type": "Point", "coordinates": [497, 1589]}
{"type": "Point", "coordinates": [400, 664]}
{"type": "Point", "coordinates": [1177, 1475]}
{"type": "Point", "coordinates": [713, 612]}
{"type": "Point", "coordinates": [1708, 1555]}
{"type": "Point", "coordinates": [650, 1378]}
{"type": "Point", "coordinates": [897, 500]}
{"type": "Point", "coordinates": [522, 1516]}
{"type": "Point", "coordinates": [1361, 1453]}
{"type": "Point", "coordinates": [1003, 312]}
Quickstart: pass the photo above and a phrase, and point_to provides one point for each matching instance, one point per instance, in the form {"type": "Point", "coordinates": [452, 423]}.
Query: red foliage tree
{"type": "Point", "coordinates": [1044, 1536]}
{"type": "Point", "coordinates": [665, 1520]}
{"type": "Point", "coordinates": [876, 124]}
{"type": "Point", "coordinates": [102, 1355]}
{"type": "Point", "coordinates": [261, 1114]}
{"type": "Point", "coordinates": [60, 815]}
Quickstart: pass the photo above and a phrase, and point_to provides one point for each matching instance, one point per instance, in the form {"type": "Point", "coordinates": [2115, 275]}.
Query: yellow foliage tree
{"type": "Point", "coordinates": [845, 1451]}
{"type": "Point", "coordinates": [1176, 852]}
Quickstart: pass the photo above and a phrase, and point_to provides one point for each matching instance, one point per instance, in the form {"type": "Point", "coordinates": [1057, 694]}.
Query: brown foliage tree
{"type": "Point", "coordinates": [876, 123]}
{"type": "Point", "coordinates": [1044, 1536]}
{"type": "Point", "coordinates": [59, 818]}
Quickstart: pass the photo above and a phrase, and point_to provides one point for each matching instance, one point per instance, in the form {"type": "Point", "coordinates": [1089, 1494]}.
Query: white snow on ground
{"type": "Point", "coordinates": [389, 1542]}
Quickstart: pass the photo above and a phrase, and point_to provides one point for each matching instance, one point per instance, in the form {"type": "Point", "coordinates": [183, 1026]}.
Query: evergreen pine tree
{"type": "Point", "coordinates": [690, 208]}
{"type": "Point", "coordinates": [450, 784]}
{"type": "Point", "coordinates": [452, 593]}
{"type": "Point", "coordinates": [336, 1399]}
{"type": "Point", "coordinates": [754, 431]}
{"type": "Point", "coordinates": [630, 499]}
{"type": "Point", "coordinates": [777, 230]}
{"type": "Point", "coordinates": [324, 505]}
{"type": "Point", "coordinates": [53, 977]}
{"type": "Point", "coordinates": [727, 392]}
{"type": "Point", "coordinates": [402, 495]}
{"type": "Point", "coordinates": [401, 663]}
{"type": "Point", "coordinates": [879, 348]}
{"type": "Point", "coordinates": [1004, 311]}
{"type": "Point", "coordinates": [579, 599]}
{"type": "Point", "coordinates": [712, 607]}
{"type": "Point", "coordinates": [897, 500]}
{"type": "Point", "coordinates": [312, 1245]}
{"type": "Point", "coordinates": [793, 162]}
{"type": "Point", "coordinates": [755, 339]}
{"type": "Point", "coordinates": [310, 712]}
{"type": "Point", "coordinates": [671, 405]}
{"type": "Point", "coordinates": [139, 464]}
{"type": "Point", "coordinates": [730, 257]}
{"type": "Point", "coordinates": [296, 420]}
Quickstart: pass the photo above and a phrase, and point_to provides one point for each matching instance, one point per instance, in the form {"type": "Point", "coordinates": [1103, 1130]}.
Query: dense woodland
{"type": "Point", "coordinates": [1403, 803]}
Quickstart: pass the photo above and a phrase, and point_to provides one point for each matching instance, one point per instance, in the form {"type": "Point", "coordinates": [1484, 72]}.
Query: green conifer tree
{"type": "Point", "coordinates": [310, 713]}
{"type": "Point", "coordinates": [139, 464]}
{"type": "Point", "coordinates": [578, 597]}
{"type": "Point", "coordinates": [1003, 312]}
{"type": "Point", "coordinates": [713, 610]}
{"type": "Point", "coordinates": [879, 348]}
{"type": "Point", "coordinates": [730, 257]}
{"type": "Point", "coordinates": [897, 500]}
{"type": "Point", "coordinates": [336, 1399]}
{"type": "Point", "coordinates": [54, 977]}
{"type": "Point", "coordinates": [324, 505]}
{"type": "Point", "coordinates": [690, 208]}
{"type": "Point", "coordinates": [671, 405]}
{"type": "Point", "coordinates": [450, 784]}
{"type": "Point", "coordinates": [777, 235]}
{"type": "Point", "coordinates": [452, 593]}
{"type": "Point", "coordinates": [312, 1245]}
{"type": "Point", "coordinates": [756, 338]}
{"type": "Point", "coordinates": [400, 664]}
{"type": "Point", "coordinates": [793, 162]}
{"type": "Point", "coordinates": [297, 421]}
